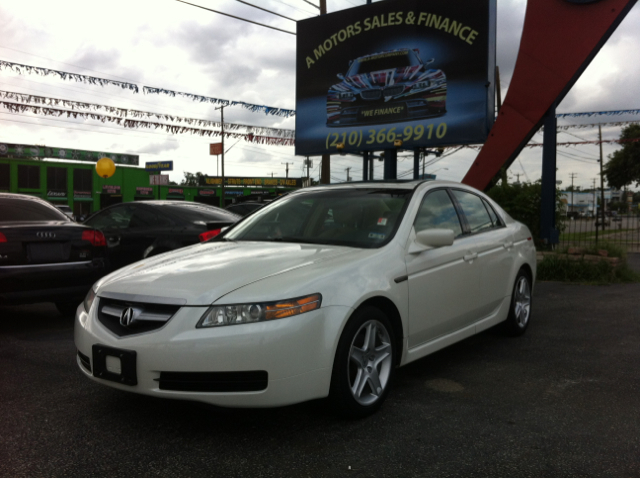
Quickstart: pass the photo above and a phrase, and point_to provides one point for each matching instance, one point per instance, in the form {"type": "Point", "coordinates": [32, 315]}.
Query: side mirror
{"type": "Point", "coordinates": [340, 75]}
{"type": "Point", "coordinates": [435, 238]}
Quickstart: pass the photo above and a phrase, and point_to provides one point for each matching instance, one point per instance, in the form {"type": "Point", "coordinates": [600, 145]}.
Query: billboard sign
{"type": "Point", "coordinates": [36, 151]}
{"type": "Point", "coordinates": [412, 70]}
{"type": "Point", "coordinates": [159, 166]}
{"type": "Point", "coordinates": [159, 180]}
{"type": "Point", "coordinates": [215, 148]}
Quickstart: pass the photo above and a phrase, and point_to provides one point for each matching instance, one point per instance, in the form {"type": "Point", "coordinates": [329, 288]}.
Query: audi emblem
{"type": "Point", "coordinates": [126, 317]}
{"type": "Point", "coordinates": [45, 234]}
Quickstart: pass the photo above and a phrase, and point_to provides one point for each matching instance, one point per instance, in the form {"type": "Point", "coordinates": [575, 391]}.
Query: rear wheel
{"type": "Point", "coordinates": [364, 364]}
{"type": "Point", "coordinates": [520, 309]}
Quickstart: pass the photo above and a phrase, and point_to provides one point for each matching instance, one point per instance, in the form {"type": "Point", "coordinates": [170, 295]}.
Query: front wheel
{"type": "Point", "coordinates": [364, 364]}
{"type": "Point", "coordinates": [520, 309]}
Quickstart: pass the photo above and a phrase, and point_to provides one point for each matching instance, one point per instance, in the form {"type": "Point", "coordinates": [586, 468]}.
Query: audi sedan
{"type": "Point", "coordinates": [44, 256]}
{"type": "Point", "coordinates": [324, 292]}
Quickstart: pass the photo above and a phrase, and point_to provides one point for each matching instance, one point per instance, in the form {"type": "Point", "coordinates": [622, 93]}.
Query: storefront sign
{"type": "Point", "coordinates": [111, 189]}
{"type": "Point", "coordinates": [236, 181]}
{"type": "Point", "coordinates": [144, 191]}
{"type": "Point", "coordinates": [175, 192]}
{"type": "Point", "coordinates": [81, 195]}
{"type": "Point", "coordinates": [228, 192]}
{"type": "Point", "coordinates": [33, 151]}
{"type": "Point", "coordinates": [408, 71]}
{"type": "Point", "coordinates": [57, 193]}
{"type": "Point", "coordinates": [207, 193]}
{"type": "Point", "coordinates": [159, 166]}
{"type": "Point", "coordinates": [162, 180]}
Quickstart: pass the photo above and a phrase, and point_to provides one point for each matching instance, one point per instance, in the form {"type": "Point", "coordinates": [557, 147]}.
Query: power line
{"type": "Point", "coordinates": [237, 18]}
{"type": "Point", "coordinates": [264, 9]}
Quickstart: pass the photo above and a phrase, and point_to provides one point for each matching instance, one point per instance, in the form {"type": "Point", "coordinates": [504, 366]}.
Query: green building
{"type": "Point", "coordinates": [79, 186]}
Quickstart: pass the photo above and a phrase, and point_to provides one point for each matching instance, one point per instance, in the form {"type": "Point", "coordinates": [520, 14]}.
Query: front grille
{"type": "Point", "coordinates": [144, 317]}
{"type": "Point", "coordinates": [84, 360]}
{"type": "Point", "coordinates": [371, 94]}
{"type": "Point", "coordinates": [393, 90]}
{"type": "Point", "coordinates": [218, 382]}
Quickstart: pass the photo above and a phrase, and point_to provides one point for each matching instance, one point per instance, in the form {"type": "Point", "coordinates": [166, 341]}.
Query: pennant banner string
{"type": "Point", "coordinates": [599, 113]}
{"type": "Point", "coordinates": [124, 112]}
{"type": "Point", "coordinates": [269, 110]}
{"type": "Point", "coordinates": [128, 123]}
{"type": "Point", "coordinates": [21, 69]}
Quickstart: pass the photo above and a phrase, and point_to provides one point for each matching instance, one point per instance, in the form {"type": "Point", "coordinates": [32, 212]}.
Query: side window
{"type": "Point", "coordinates": [437, 211]}
{"type": "Point", "coordinates": [113, 218]}
{"type": "Point", "coordinates": [474, 210]}
{"type": "Point", "coordinates": [495, 219]}
{"type": "Point", "coordinates": [144, 218]}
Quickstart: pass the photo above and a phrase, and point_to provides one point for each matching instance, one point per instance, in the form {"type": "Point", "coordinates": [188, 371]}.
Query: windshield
{"type": "Point", "coordinates": [384, 61]}
{"type": "Point", "coordinates": [364, 218]}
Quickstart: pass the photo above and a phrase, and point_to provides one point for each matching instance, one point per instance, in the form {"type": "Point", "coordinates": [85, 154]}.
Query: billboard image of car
{"type": "Point", "coordinates": [388, 86]}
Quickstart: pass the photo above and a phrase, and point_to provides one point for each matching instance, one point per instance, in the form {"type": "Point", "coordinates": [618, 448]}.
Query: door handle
{"type": "Point", "coordinates": [470, 257]}
{"type": "Point", "coordinates": [508, 245]}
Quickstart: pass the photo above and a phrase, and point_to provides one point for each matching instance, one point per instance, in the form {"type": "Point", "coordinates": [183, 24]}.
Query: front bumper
{"type": "Point", "coordinates": [296, 353]}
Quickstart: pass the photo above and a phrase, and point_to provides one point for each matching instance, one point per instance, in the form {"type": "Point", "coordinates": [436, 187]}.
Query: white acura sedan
{"type": "Point", "coordinates": [323, 292]}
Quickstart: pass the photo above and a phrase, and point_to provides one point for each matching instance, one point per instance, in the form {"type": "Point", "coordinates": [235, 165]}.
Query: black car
{"type": "Point", "coordinates": [44, 256]}
{"type": "Point", "coordinates": [135, 231]}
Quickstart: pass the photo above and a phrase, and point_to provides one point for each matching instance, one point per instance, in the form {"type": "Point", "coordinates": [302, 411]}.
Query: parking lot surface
{"type": "Point", "coordinates": [563, 400]}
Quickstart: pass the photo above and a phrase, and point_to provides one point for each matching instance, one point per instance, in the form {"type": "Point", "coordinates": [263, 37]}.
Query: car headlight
{"type": "Point", "coordinates": [89, 298]}
{"type": "Point", "coordinates": [345, 95]}
{"type": "Point", "coordinates": [421, 85]}
{"type": "Point", "coordinates": [228, 314]}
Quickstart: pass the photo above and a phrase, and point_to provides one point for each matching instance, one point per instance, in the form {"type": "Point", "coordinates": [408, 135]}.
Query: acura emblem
{"type": "Point", "coordinates": [45, 234]}
{"type": "Point", "coordinates": [126, 317]}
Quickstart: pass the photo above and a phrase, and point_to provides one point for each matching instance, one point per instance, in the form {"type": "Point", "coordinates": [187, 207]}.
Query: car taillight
{"type": "Point", "coordinates": [96, 238]}
{"type": "Point", "coordinates": [3, 238]}
{"type": "Point", "coordinates": [207, 235]}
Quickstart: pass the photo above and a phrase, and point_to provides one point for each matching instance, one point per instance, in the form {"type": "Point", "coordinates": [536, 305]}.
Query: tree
{"type": "Point", "coordinates": [191, 179]}
{"type": "Point", "coordinates": [623, 167]}
{"type": "Point", "coordinates": [522, 202]}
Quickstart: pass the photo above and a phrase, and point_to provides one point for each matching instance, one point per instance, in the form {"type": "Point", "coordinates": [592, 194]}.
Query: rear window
{"type": "Point", "coordinates": [198, 212]}
{"type": "Point", "coordinates": [15, 209]}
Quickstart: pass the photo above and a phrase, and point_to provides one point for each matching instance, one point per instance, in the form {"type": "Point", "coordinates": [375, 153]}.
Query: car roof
{"type": "Point", "coordinates": [388, 184]}
{"type": "Point", "coordinates": [18, 196]}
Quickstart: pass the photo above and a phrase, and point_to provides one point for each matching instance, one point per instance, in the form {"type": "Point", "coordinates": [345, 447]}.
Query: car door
{"type": "Point", "coordinates": [444, 281]}
{"type": "Point", "coordinates": [496, 253]}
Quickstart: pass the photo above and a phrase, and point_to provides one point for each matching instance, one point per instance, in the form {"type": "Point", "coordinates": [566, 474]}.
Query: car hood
{"type": "Point", "coordinates": [203, 273]}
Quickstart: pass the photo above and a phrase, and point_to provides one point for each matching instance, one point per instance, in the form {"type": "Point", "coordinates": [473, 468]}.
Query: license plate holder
{"type": "Point", "coordinates": [46, 252]}
{"type": "Point", "coordinates": [127, 358]}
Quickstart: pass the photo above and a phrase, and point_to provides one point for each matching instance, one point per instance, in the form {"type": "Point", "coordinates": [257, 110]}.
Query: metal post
{"type": "Point", "coordinates": [416, 163]}
{"type": "Point", "coordinates": [601, 179]}
{"type": "Point", "coordinates": [390, 164]}
{"type": "Point", "coordinates": [222, 202]}
{"type": "Point", "coordinates": [548, 232]}
{"type": "Point", "coordinates": [365, 166]}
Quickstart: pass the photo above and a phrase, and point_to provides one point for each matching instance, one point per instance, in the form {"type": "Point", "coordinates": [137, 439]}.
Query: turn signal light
{"type": "Point", "coordinates": [96, 238]}
{"type": "Point", "coordinates": [207, 235]}
{"type": "Point", "coordinates": [292, 307]}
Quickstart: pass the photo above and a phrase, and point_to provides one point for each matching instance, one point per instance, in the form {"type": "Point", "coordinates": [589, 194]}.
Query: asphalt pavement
{"type": "Point", "coordinates": [563, 400]}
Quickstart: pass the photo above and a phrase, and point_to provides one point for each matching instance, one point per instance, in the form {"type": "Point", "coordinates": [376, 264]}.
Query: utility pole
{"type": "Point", "coordinates": [572, 175]}
{"type": "Point", "coordinates": [594, 197]}
{"type": "Point", "coordinates": [348, 179]}
{"type": "Point", "coordinates": [287, 163]}
{"type": "Point", "coordinates": [325, 166]}
{"type": "Point", "coordinates": [221, 108]}
{"type": "Point", "coordinates": [308, 177]}
{"type": "Point", "coordinates": [518, 177]}
{"type": "Point", "coordinates": [601, 183]}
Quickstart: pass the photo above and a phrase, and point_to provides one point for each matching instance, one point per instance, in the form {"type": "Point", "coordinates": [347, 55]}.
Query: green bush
{"type": "Point", "coordinates": [558, 268]}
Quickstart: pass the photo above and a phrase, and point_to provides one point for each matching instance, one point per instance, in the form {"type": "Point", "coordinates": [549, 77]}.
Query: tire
{"type": "Point", "coordinates": [364, 365]}
{"type": "Point", "coordinates": [68, 308]}
{"type": "Point", "coordinates": [520, 309]}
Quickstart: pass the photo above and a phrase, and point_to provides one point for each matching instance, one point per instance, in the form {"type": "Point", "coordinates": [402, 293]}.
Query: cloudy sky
{"type": "Point", "coordinates": [171, 45]}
